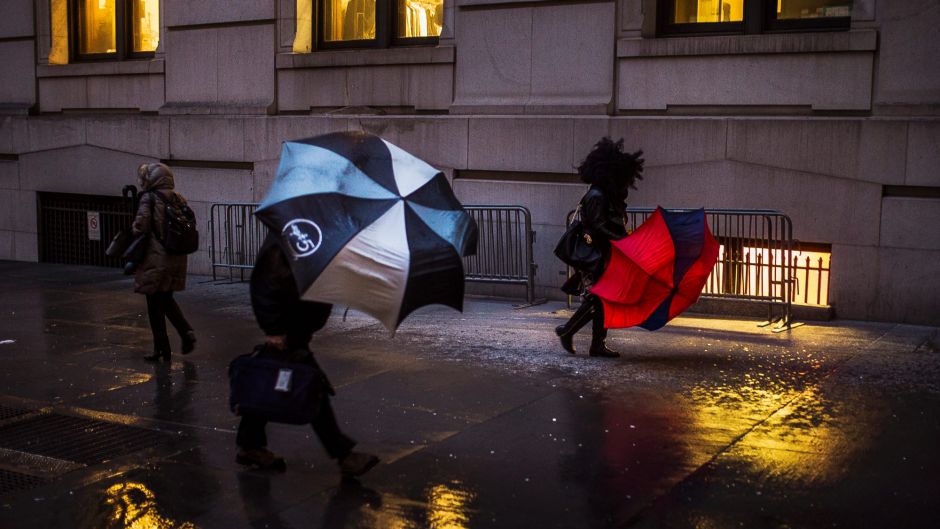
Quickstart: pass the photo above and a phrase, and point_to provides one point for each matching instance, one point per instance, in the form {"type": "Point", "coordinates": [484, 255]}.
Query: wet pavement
{"type": "Point", "coordinates": [480, 420]}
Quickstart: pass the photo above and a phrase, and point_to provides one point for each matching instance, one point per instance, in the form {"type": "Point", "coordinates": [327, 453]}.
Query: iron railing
{"type": "Point", "coordinates": [504, 251]}
{"type": "Point", "coordinates": [755, 260]}
{"type": "Point", "coordinates": [63, 226]}
{"type": "Point", "coordinates": [235, 236]}
{"type": "Point", "coordinates": [504, 248]}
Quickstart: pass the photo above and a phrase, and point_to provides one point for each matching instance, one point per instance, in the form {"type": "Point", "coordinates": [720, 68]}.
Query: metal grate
{"type": "Point", "coordinates": [77, 439]}
{"type": "Point", "coordinates": [7, 412]}
{"type": "Point", "coordinates": [13, 481]}
{"type": "Point", "coordinates": [63, 227]}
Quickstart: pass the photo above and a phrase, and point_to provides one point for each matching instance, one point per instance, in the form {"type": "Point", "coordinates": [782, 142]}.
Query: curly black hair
{"type": "Point", "coordinates": [607, 164]}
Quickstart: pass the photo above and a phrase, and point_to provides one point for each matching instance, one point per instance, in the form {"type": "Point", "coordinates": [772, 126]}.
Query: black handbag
{"type": "Point", "coordinates": [286, 387]}
{"type": "Point", "coordinates": [576, 247]}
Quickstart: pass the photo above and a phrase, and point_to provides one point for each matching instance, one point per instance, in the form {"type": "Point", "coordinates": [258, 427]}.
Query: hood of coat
{"type": "Point", "coordinates": [154, 176]}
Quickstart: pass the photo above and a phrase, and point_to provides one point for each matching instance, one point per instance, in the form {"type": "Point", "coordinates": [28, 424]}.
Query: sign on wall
{"type": "Point", "coordinates": [94, 226]}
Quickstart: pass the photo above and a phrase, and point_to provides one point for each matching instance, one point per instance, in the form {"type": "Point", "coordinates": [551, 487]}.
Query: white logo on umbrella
{"type": "Point", "coordinates": [302, 239]}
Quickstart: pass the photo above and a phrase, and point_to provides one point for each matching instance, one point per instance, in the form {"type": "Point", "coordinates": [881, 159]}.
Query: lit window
{"type": "Point", "coordinates": [708, 11]}
{"type": "Point", "coordinates": [145, 33]}
{"type": "Point", "coordinates": [802, 9]}
{"type": "Point", "coordinates": [115, 29]}
{"type": "Point", "coordinates": [751, 16]}
{"type": "Point", "coordinates": [372, 23]}
{"type": "Point", "coordinates": [97, 27]}
{"type": "Point", "coordinates": [420, 18]}
{"type": "Point", "coordinates": [349, 20]}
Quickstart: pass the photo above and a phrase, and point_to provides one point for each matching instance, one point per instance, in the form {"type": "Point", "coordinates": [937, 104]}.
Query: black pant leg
{"type": "Point", "coordinates": [598, 331]}
{"type": "Point", "coordinates": [337, 444]}
{"type": "Point", "coordinates": [251, 434]}
{"type": "Point", "coordinates": [156, 312]}
{"type": "Point", "coordinates": [175, 315]}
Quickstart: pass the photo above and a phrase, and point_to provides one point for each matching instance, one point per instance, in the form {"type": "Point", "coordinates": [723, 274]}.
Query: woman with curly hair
{"type": "Point", "coordinates": [611, 173]}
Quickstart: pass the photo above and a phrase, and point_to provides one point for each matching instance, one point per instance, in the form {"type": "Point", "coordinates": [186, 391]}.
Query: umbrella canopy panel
{"type": "Point", "coordinates": [368, 225]}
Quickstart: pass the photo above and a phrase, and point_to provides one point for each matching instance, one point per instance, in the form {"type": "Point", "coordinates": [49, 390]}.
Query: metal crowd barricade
{"type": "Point", "coordinates": [754, 260]}
{"type": "Point", "coordinates": [504, 248]}
{"type": "Point", "coordinates": [235, 237]}
{"type": "Point", "coordinates": [504, 251]}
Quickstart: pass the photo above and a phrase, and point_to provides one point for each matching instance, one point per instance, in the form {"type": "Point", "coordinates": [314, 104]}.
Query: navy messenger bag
{"type": "Point", "coordinates": [286, 387]}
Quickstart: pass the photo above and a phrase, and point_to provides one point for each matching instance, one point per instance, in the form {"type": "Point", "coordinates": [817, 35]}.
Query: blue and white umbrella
{"type": "Point", "coordinates": [367, 225]}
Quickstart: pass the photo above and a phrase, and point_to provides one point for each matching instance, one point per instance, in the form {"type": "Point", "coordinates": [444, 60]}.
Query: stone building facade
{"type": "Point", "coordinates": [840, 128]}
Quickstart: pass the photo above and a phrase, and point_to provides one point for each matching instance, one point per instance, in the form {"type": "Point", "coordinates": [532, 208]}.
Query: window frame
{"type": "Point", "coordinates": [123, 30]}
{"type": "Point", "coordinates": [759, 17]}
{"type": "Point", "coordinates": [386, 30]}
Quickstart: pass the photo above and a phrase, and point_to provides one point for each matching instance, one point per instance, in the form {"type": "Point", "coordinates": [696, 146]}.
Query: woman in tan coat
{"type": "Point", "coordinates": [159, 273]}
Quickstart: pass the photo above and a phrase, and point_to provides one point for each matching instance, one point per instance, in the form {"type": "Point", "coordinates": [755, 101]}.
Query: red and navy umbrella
{"type": "Point", "coordinates": [658, 271]}
{"type": "Point", "coordinates": [367, 225]}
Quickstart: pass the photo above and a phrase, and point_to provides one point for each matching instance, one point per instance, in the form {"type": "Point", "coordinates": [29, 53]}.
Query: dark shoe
{"type": "Point", "coordinates": [567, 340]}
{"type": "Point", "coordinates": [603, 351]}
{"type": "Point", "coordinates": [262, 459]}
{"type": "Point", "coordinates": [157, 356]}
{"type": "Point", "coordinates": [357, 464]}
{"type": "Point", "coordinates": [189, 342]}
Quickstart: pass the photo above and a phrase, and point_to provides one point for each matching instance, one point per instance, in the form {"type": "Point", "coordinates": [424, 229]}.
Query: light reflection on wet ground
{"type": "Point", "coordinates": [482, 421]}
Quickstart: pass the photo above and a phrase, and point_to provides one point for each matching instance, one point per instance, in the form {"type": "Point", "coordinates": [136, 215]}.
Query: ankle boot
{"type": "Point", "coordinates": [188, 342]}
{"type": "Point", "coordinates": [599, 348]}
{"type": "Point", "coordinates": [157, 356]}
{"type": "Point", "coordinates": [579, 319]}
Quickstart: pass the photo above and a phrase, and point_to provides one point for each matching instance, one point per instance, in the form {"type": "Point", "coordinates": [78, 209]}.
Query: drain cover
{"type": "Point", "coordinates": [12, 481]}
{"type": "Point", "coordinates": [7, 412]}
{"type": "Point", "coordinates": [77, 439]}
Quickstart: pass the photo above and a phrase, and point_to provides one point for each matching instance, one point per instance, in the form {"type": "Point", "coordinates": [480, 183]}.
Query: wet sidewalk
{"type": "Point", "coordinates": [480, 419]}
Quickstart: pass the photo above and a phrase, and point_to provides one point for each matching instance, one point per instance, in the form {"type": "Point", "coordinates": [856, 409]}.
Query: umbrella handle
{"type": "Point", "coordinates": [345, 312]}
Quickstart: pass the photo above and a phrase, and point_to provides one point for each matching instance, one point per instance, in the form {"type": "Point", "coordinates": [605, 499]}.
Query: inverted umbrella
{"type": "Point", "coordinates": [367, 225]}
{"type": "Point", "coordinates": [658, 271]}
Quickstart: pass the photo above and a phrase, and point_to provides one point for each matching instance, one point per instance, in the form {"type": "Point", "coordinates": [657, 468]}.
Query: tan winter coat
{"type": "Point", "coordinates": [159, 271]}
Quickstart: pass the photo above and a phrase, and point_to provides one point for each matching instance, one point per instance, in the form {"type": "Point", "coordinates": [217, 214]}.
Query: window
{"type": "Point", "coordinates": [378, 23]}
{"type": "Point", "coordinates": [114, 29]}
{"type": "Point", "coordinates": [752, 16]}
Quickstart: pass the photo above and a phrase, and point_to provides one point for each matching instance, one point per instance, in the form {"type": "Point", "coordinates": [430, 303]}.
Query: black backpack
{"type": "Point", "coordinates": [180, 236]}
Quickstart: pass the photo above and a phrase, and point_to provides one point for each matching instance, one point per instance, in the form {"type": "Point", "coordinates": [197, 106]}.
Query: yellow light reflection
{"type": "Point", "coordinates": [146, 20]}
{"type": "Point", "coordinates": [796, 436]}
{"type": "Point", "coordinates": [349, 20]}
{"type": "Point", "coordinates": [97, 26]}
{"type": "Point", "coordinates": [448, 506]}
{"type": "Point", "coordinates": [705, 11]}
{"type": "Point", "coordinates": [135, 507]}
{"type": "Point", "coordinates": [420, 18]}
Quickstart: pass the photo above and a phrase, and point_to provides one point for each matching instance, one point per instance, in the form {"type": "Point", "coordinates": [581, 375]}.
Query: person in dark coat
{"type": "Point", "coordinates": [611, 173]}
{"type": "Point", "coordinates": [159, 274]}
{"type": "Point", "coordinates": [288, 323]}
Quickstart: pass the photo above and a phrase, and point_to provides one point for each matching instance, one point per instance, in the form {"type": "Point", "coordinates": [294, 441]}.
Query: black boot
{"type": "Point", "coordinates": [188, 342]}
{"type": "Point", "coordinates": [158, 355]}
{"type": "Point", "coordinates": [599, 336]}
{"type": "Point", "coordinates": [579, 319]}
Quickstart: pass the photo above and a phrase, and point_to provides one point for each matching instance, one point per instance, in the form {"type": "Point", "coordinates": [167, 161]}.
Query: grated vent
{"type": "Point", "coordinates": [7, 412]}
{"type": "Point", "coordinates": [86, 441]}
{"type": "Point", "coordinates": [13, 481]}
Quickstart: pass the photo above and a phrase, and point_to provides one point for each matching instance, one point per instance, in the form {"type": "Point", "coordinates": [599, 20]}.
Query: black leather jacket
{"type": "Point", "coordinates": [604, 217]}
